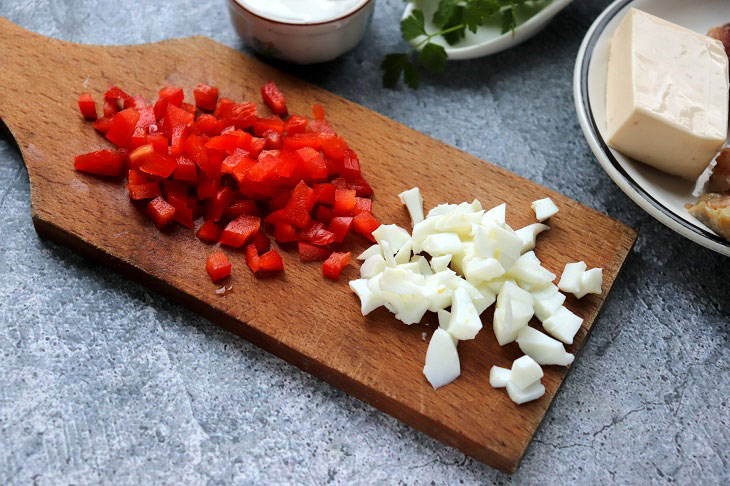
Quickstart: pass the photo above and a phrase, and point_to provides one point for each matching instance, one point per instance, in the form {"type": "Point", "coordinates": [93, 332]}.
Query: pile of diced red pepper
{"type": "Point", "coordinates": [223, 161]}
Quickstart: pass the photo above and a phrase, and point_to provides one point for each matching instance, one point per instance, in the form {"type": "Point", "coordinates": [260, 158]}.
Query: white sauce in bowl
{"type": "Point", "coordinates": [301, 11]}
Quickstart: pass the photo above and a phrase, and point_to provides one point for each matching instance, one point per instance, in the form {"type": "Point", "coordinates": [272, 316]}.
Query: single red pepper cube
{"type": "Point", "coordinates": [208, 125]}
{"type": "Point", "coordinates": [317, 111]}
{"type": "Point", "coordinates": [240, 230]}
{"type": "Point", "coordinates": [325, 193]}
{"type": "Point", "coordinates": [161, 212]}
{"type": "Point", "coordinates": [175, 192]}
{"type": "Point", "coordinates": [268, 123]}
{"type": "Point", "coordinates": [340, 226]}
{"type": "Point", "coordinates": [363, 204]}
{"type": "Point", "coordinates": [122, 126]}
{"type": "Point", "coordinates": [256, 146]}
{"type": "Point", "coordinates": [324, 214]}
{"type": "Point", "coordinates": [148, 190]}
{"type": "Point", "coordinates": [102, 124]}
{"type": "Point", "coordinates": [252, 258]}
{"type": "Point", "coordinates": [215, 205]}
{"type": "Point", "coordinates": [209, 232]}
{"type": "Point", "coordinates": [158, 165]}
{"type": "Point", "coordinates": [87, 106]}
{"type": "Point", "coordinates": [169, 95]}
{"type": "Point", "coordinates": [321, 127]}
{"type": "Point", "coordinates": [333, 147]}
{"type": "Point", "coordinates": [187, 107]}
{"type": "Point", "coordinates": [136, 177]}
{"type": "Point", "coordinates": [265, 169]}
{"type": "Point", "coordinates": [345, 202]}
{"type": "Point", "coordinates": [295, 124]}
{"type": "Point", "coordinates": [333, 266]}
{"type": "Point", "coordinates": [159, 142]}
{"type": "Point", "coordinates": [271, 261]}
{"type": "Point", "coordinates": [185, 170]}
{"type": "Point", "coordinates": [146, 117]}
{"type": "Point", "coordinates": [364, 223]}
{"type": "Point", "coordinates": [359, 184]}
{"type": "Point", "coordinates": [273, 98]}
{"type": "Point", "coordinates": [316, 233]}
{"type": "Point", "coordinates": [272, 140]}
{"type": "Point", "coordinates": [313, 163]}
{"type": "Point", "coordinates": [140, 154]}
{"type": "Point", "coordinates": [109, 108]}
{"type": "Point", "coordinates": [242, 206]}
{"type": "Point", "coordinates": [138, 138]}
{"type": "Point", "coordinates": [102, 162]}
{"type": "Point", "coordinates": [312, 253]}
{"type": "Point", "coordinates": [177, 122]}
{"type": "Point", "coordinates": [238, 115]}
{"type": "Point", "coordinates": [218, 266]}
{"type": "Point", "coordinates": [240, 172]}
{"type": "Point", "coordinates": [284, 233]}
{"type": "Point", "coordinates": [261, 242]}
{"type": "Point", "coordinates": [231, 161]}
{"type": "Point", "coordinates": [115, 93]}
{"type": "Point", "coordinates": [224, 104]}
{"type": "Point", "coordinates": [350, 167]}
{"type": "Point", "coordinates": [206, 97]}
{"type": "Point", "coordinates": [300, 203]}
{"type": "Point", "coordinates": [302, 140]}
{"type": "Point", "coordinates": [207, 186]}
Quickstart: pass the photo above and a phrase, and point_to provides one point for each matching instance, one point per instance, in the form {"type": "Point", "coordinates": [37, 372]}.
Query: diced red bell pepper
{"type": "Point", "coordinates": [295, 124]}
{"type": "Point", "coordinates": [230, 141]}
{"type": "Point", "coordinates": [169, 95]}
{"type": "Point", "coordinates": [284, 233]}
{"type": "Point", "coordinates": [158, 165]}
{"type": "Point", "coordinates": [185, 206]}
{"type": "Point", "coordinates": [363, 204]}
{"type": "Point", "coordinates": [148, 190]}
{"type": "Point", "coordinates": [312, 253]}
{"type": "Point", "coordinates": [208, 125]}
{"type": "Point", "coordinates": [109, 108]}
{"type": "Point", "coordinates": [159, 142]}
{"type": "Point", "coordinates": [146, 117]}
{"type": "Point", "coordinates": [359, 184]}
{"type": "Point", "coordinates": [313, 163]}
{"type": "Point", "coordinates": [317, 111]}
{"type": "Point", "coordinates": [115, 93]}
{"type": "Point", "coordinates": [206, 97]}
{"type": "Point", "coordinates": [136, 177]}
{"type": "Point", "coordinates": [345, 202]}
{"type": "Point", "coordinates": [265, 169]}
{"type": "Point", "coordinates": [122, 126]}
{"type": "Point", "coordinates": [300, 203]}
{"type": "Point", "coordinates": [218, 266]}
{"type": "Point", "coordinates": [333, 147]}
{"type": "Point", "coordinates": [325, 193]}
{"type": "Point", "coordinates": [240, 172]}
{"type": "Point", "coordinates": [140, 154]}
{"type": "Point", "coordinates": [272, 140]}
{"type": "Point", "coordinates": [239, 115]}
{"type": "Point", "coordinates": [160, 211]}
{"type": "Point", "coordinates": [350, 168]}
{"type": "Point", "coordinates": [324, 214]}
{"type": "Point", "coordinates": [240, 230]}
{"type": "Point", "coordinates": [207, 186]}
{"type": "Point", "coordinates": [321, 127]}
{"type": "Point", "coordinates": [209, 232]}
{"type": "Point", "coordinates": [102, 162]}
{"type": "Point", "coordinates": [340, 226]}
{"type": "Point", "coordinates": [365, 223]}
{"type": "Point", "coordinates": [177, 123]}
{"type": "Point", "coordinates": [187, 107]}
{"type": "Point", "coordinates": [302, 140]}
{"type": "Point", "coordinates": [223, 105]}
{"type": "Point", "coordinates": [185, 170]}
{"type": "Point", "coordinates": [261, 242]}
{"type": "Point", "coordinates": [87, 106]}
{"type": "Point", "coordinates": [256, 146]}
{"type": "Point", "coordinates": [242, 206]}
{"type": "Point", "coordinates": [271, 261]}
{"type": "Point", "coordinates": [273, 98]}
{"type": "Point", "coordinates": [289, 169]}
{"type": "Point", "coordinates": [102, 124]}
{"type": "Point", "coordinates": [217, 204]}
{"type": "Point", "coordinates": [194, 147]}
{"type": "Point", "coordinates": [252, 257]}
{"type": "Point", "coordinates": [269, 123]}
{"type": "Point", "coordinates": [230, 162]}
{"type": "Point", "coordinates": [333, 266]}
{"type": "Point", "coordinates": [316, 233]}
{"type": "Point", "coordinates": [138, 138]}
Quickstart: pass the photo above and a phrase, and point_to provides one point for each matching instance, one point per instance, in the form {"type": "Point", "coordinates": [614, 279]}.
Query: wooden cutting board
{"type": "Point", "coordinates": [299, 316]}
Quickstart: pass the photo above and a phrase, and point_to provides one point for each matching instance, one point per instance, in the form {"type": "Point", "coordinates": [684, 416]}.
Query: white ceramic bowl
{"type": "Point", "coordinates": [489, 39]}
{"type": "Point", "coordinates": [301, 43]}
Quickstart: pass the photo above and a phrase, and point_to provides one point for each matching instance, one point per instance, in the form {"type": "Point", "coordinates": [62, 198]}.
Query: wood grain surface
{"type": "Point", "coordinates": [299, 316]}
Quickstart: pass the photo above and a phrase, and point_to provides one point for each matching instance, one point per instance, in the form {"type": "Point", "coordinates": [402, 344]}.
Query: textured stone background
{"type": "Point", "coordinates": [102, 381]}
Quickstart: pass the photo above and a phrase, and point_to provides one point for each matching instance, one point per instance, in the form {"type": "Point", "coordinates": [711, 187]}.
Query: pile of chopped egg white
{"type": "Point", "coordinates": [476, 259]}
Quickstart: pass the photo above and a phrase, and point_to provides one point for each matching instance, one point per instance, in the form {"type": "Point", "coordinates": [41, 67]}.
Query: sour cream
{"type": "Point", "coordinates": [301, 11]}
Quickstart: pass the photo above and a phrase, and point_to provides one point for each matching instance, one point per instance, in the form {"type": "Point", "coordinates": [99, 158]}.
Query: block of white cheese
{"type": "Point", "coordinates": [666, 95]}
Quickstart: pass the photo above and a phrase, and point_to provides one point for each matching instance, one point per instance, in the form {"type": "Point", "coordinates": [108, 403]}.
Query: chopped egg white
{"type": "Point", "coordinates": [542, 348]}
{"type": "Point", "coordinates": [544, 209]}
{"type": "Point", "coordinates": [373, 250]}
{"type": "Point", "coordinates": [529, 233]}
{"type": "Point", "coordinates": [525, 372]}
{"type": "Point", "coordinates": [414, 203]}
{"type": "Point", "coordinates": [499, 377]}
{"type": "Point", "coordinates": [591, 282]}
{"type": "Point", "coordinates": [464, 322]}
{"type": "Point", "coordinates": [369, 301]}
{"type": "Point", "coordinates": [442, 360]}
{"type": "Point", "coordinates": [563, 325]}
{"type": "Point", "coordinates": [520, 396]}
{"type": "Point", "coordinates": [570, 279]}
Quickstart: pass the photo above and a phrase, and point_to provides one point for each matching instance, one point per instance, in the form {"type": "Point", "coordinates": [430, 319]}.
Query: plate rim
{"type": "Point", "coordinates": [608, 161]}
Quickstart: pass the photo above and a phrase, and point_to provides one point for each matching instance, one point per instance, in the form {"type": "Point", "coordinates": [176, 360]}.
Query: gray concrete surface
{"type": "Point", "coordinates": [103, 382]}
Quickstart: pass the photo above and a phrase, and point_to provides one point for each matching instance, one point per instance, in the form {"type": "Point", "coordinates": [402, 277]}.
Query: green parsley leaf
{"type": "Point", "coordinates": [392, 67]}
{"type": "Point", "coordinates": [410, 75]}
{"type": "Point", "coordinates": [413, 25]}
{"type": "Point", "coordinates": [508, 20]}
{"type": "Point", "coordinates": [444, 13]}
{"type": "Point", "coordinates": [433, 57]}
{"type": "Point", "coordinates": [477, 12]}
{"type": "Point", "coordinates": [456, 21]}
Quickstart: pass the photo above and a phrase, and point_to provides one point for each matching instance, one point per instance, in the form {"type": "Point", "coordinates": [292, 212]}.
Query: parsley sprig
{"type": "Point", "coordinates": [453, 18]}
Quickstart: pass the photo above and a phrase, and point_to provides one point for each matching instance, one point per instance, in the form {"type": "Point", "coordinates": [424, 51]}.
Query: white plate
{"type": "Point", "coordinates": [489, 39]}
{"type": "Point", "coordinates": [659, 194]}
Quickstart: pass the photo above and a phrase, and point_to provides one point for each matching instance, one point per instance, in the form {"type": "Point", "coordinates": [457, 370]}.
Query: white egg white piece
{"type": "Point", "coordinates": [441, 210]}
{"type": "Point", "coordinates": [414, 203]}
{"type": "Point", "coordinates": [484, 244]}
{"type": "Point", "coordinates": [547, 306]}
{"type": "Point", "coordinates": [591, 282]}
{"type": "Point", "coordinates": [372, 250]}
{"type": "Point", "coordinates": [525, 372]}
{"type": "Point", "coordinates": [563, 325]}
{"type": "Point", "coordinates": [542, 348]}
{"type": "Point", "coordinates": [442, 360]}
{"type": "Point", "coordinates": [404, 254]}
{"type": "Point", "coordinates": [440, 263]}
{"type": "Point", "coordinates": [547, 291]}
{"type": "Point", "coordinates": [495, 215]}
{"type": "Point", "coordinates": [421, 231]}
{"type": "Point", "coordinates": [444, 316]}
{"type": "Point", "coordinates": [442, 244]}
{"type": "Point", "coordinates": [529, 233]}
{"type": "Point", "coordinates": [529, 394]}
{"type": "Point", "coordinates": [369, 301]}
{"type": "Point", "coordinates": [423, 265]}
{"type": "Point", "coordinates": [374, 265]}
{"type": "Point", "coordinates": [478, 270]}
{"type": "Point", "coordinates": [544, 209]}
{"type": "Point", "coordinates": [570, 279]}
{"type": "Point", "coordinates": [393, 234]}
{"type": "Point", "coordinates": [464, 322]}
{"type": "Point", "coordinates": [499, 377]}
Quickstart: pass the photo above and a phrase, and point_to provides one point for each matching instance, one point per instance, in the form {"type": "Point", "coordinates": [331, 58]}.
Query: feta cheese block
{"type": "Point", "coordinates": [666, 95]}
